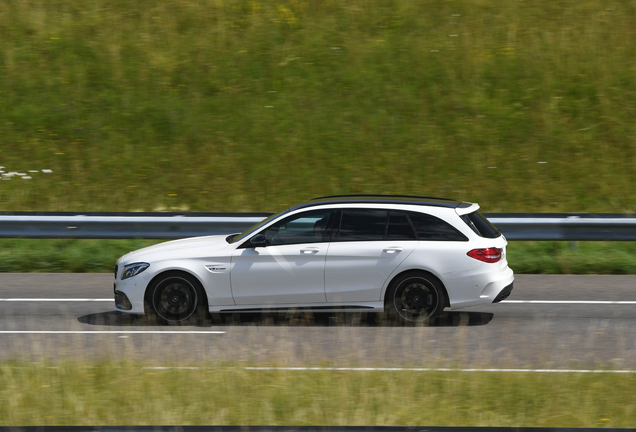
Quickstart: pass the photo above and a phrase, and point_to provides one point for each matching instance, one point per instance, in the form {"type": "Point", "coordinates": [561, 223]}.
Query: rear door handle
{"type": "Point", "coordinates": [393, 249]}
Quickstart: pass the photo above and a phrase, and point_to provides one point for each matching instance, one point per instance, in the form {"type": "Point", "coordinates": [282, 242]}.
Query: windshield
{"type": "Point", "coordinates": [253, 228]}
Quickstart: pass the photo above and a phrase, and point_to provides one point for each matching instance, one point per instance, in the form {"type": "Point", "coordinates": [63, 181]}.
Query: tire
{"type": "Point", "coordinates": [176, 298]}
{"type": "Point", "coordinates": [415, 297]}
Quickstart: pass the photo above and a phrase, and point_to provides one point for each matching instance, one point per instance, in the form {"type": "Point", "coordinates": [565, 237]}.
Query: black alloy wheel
{"type": "Point", "coordinates": [175, 298]}
{"type": "Point", "coordinates": [417, 298]}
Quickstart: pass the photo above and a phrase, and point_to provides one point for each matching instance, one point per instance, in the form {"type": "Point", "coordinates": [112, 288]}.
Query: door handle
{"type": "Point", "coordinates": [309, 251]}
{"type": "Point", "coordinates": [393, 249]}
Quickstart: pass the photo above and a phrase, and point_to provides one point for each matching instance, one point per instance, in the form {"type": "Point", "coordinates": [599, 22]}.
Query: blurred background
{"type": "Point", "coordinates": [253, 106]}
{"type": "Point", "coordinates": [236, 105]}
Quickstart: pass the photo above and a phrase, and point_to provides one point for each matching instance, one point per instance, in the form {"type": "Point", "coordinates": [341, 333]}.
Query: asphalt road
{"type": "Point", "coordinates": [548, 322]}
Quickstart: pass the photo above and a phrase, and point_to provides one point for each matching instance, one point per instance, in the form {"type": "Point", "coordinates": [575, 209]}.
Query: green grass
{"type": "Point", "coordinates": [572, 257]}
{"type": "Point", "coordinates": [239, 105]}
{"type": "Point", "coordinates": [64, 255]}
{"type": "Point", "coordinates": [88, 256]}
{"type": "Point", "coordinates": [116, 393]}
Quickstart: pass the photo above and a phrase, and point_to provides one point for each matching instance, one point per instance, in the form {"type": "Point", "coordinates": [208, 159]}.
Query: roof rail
{"type": "Point", "coordinates": [381, 196]}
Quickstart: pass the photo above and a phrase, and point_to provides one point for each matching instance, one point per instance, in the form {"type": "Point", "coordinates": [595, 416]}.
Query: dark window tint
{"type": "Point", "coordinates": [482, 226]}
{"type": "Point", "coordinates": [399, 227]}
{"type": "Point", "coordinates": [308, 227]}
{"type": "Point", "coordinates": [360, 225]}
{"type": "Point", "coordinates": [431, 228]}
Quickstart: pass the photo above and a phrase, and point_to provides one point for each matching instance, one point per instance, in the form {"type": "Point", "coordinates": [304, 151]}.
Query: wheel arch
{"type": "Point", "coordinates": [193, 277]}
{"type": "Point", "coordinates": [390, 285]}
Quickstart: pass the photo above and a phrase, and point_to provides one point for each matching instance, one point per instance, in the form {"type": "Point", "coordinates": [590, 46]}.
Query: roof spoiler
{"type": "Point", "coordinates": [465, 208]}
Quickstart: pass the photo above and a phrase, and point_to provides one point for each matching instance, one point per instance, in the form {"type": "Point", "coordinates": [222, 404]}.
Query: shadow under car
{"type": "Point", "coordinates": [292, 318]}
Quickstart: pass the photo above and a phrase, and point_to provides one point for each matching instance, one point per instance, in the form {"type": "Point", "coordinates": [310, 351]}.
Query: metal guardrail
{"type": "Point", "coordinates": [565, 227]}
{"type": "Point", "coordinates": [124, 225]}
{"type": "Point", "coordinates": [515, 226]}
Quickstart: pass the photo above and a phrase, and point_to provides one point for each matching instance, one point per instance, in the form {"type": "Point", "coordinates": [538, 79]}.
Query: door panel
{"type": "Point", "coordinates": [279, 274]}
{"type": "Point", "coordinates": [357, 271]}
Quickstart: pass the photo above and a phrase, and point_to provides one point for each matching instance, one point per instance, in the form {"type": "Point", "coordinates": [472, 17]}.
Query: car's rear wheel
{"type": "Point", "coordinates": [415, 297]}
{"type": "Point", "coordinates": [176, 298]}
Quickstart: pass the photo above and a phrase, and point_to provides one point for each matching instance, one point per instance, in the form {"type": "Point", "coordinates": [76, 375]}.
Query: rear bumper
{"type": "Point", "coordinates": [492, 285]}
{"type": "Point", "coordinates": [503, 294]}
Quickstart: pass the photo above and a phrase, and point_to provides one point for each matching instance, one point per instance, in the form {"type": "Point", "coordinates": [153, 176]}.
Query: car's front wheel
{"type": "Point", "coordinates": [415, 297]}
{"type": "Point", "coordinates": [176, 298]}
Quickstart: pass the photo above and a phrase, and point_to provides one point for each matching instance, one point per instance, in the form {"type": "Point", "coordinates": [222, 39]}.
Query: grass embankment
{"type": "Point", "coordinates": [238, 105]}
{"type": "Point", "coordinates": [111, 393]}
{"type": "Point", "coordinates": [85, 256]}
{"type": "Point", "coordinates": [253, 106]}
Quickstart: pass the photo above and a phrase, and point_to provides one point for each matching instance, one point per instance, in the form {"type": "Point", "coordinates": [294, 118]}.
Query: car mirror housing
{"type": "Point", "coordinates": [258, 240]}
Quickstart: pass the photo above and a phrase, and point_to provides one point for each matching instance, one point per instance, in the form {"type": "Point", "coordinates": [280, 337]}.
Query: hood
{"type": "Point", "coordinates": [184, 248]}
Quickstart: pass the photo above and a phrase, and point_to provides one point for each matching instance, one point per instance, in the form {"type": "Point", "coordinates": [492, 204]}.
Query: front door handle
{"type": "Point", "coordinates": [394, 249]}
{"type": "Point", "coordinates": [309, 251]}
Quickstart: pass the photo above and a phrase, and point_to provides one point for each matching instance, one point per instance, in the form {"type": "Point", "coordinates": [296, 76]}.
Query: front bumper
{"type": "Point", "coordinates": [121, 301]}
{"type": "Point", "coordinates": [129, 293]}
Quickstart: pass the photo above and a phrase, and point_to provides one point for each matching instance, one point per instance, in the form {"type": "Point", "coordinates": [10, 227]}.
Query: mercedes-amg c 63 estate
{"type": "Point", "coordinates": [409, 257]}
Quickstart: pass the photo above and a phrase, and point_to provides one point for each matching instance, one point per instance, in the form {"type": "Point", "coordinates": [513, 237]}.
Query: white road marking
{"type": "Point", "coordinates": [442, 370]}
{"type": "Point", "coordinates": [56, 300]}
{"type": "Point", "coordinates": [175, 367]}
{"type": "Point", "coordinates": [107, 332]}
{"type": "Point", "coordinates": [587, 302]}
{"type": "Point", "coordinates": [351, 369]}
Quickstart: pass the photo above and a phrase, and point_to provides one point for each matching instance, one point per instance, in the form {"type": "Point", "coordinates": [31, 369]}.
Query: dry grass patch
{"type": "Point", "coordinates": [115, 393]}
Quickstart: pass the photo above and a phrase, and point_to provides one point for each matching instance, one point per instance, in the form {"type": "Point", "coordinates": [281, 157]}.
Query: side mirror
{"type": "Point", "coordinates": [258, 240]}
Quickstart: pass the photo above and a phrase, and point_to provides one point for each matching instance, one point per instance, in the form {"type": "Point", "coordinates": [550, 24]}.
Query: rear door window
{"type": "Point", "coordinates": [362, 225]}
{"type": "Point", "coordinates": [399, 227]}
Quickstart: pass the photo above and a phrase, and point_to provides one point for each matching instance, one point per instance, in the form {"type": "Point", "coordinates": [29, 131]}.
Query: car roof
{"type": "Point", "coordinates": [384, 200]}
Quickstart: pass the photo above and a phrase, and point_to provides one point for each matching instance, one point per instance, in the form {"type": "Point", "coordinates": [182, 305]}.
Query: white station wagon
{"type": "Point", "coordinates": [410, 257]}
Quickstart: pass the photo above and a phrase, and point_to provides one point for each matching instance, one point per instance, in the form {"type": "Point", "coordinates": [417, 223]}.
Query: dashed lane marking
{"type": "Point", "coordinates": [587, 302]}
{"type": "Point", "coordinates": [107, 332]}
{"type": "Point", "coordinates": [351, 369]}
{"type": "Point", "coordinates": [56, 300]}
{"type": "Point", "coordinates": [442, 370]}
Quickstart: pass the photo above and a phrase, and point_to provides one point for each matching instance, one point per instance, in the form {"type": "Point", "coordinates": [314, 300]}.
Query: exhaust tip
{"type": "Point", "coordinates": [504, 294]}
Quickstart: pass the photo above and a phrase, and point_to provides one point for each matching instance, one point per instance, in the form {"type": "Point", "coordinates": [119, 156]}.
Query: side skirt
{"type": "Point", "coordinates": [367, 307]}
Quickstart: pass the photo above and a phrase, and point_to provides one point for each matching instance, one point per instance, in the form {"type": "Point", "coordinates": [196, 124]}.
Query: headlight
{"type": "Point", "coordinates": [133, 270]}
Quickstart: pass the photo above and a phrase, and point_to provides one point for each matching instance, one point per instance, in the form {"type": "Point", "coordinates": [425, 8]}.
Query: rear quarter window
{"type": "Point", "coordinates": [430, 228]}
{"type": "Point", "coordinates": [482, 226]}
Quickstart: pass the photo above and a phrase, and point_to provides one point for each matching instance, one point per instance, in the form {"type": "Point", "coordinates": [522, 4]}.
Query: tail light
{"type": "Point", "coordinates": [489, 255]}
